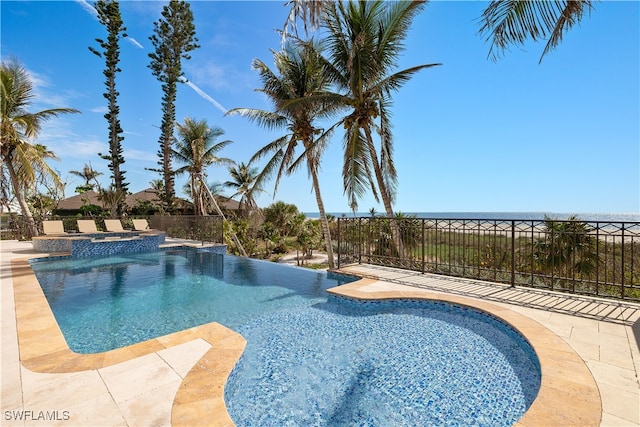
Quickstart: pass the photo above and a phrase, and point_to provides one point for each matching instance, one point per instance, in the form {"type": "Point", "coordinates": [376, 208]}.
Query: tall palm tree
{"type": "Point", "coordinates": [18, 127]}
{"type": "Point", "coordinates": [508, 22]}
{"type": "Point", "coordinates": [299, 75]}
{"type": "Point", "coordinates": [196, 149]}
{"type": "Point", "coordinates": [244, 182]}
{"type": "Point", "coordinates": [365, 39]}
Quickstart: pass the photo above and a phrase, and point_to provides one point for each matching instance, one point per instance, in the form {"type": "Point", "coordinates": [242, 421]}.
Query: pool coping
{"type": "Point", "coordinates": [568, 393]}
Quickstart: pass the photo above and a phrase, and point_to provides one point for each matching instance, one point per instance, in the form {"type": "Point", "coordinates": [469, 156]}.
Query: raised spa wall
{"type": "Point", "coordinates": [110, 243]}
{"type": "Point", "coordinates": [86, 245]}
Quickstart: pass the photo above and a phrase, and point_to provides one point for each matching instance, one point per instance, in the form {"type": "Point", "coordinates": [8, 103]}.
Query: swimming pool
{"type": "Point", "coordinates": [310, 359]}
{"type": "Point", "coordinates": [113, 301]}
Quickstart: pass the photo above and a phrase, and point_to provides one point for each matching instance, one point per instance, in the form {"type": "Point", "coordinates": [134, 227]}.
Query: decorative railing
{"type": "Point", "coordinates": [594, 258]}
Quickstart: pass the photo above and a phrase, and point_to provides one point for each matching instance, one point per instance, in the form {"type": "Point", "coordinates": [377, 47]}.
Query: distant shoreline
{"type": "Point", "coordinates": [536, 216]}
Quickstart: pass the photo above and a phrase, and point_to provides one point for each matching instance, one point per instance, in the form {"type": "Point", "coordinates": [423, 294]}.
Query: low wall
{"type": "Point", "coordinates": [103, 243]}
{"type": "Point", "coordinates": [81, 248]}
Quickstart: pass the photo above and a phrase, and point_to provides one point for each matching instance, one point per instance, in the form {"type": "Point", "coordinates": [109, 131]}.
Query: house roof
{"type": "Point", "coordinates": [229, 204]}
{"type": "Point", "coordinates": [149, 194]}
{"type": "Point", "coordinates": [77, 201]}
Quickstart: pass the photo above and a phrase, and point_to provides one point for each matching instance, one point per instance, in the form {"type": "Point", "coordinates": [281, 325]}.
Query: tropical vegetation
{"type": "Point", "coordinates": [24, 161]}
{"type": "Point", "coordinates": [196, 149]}
{"type": "Point", "coordinates": [244, 182]}
{"type": "Point", "coordinates": [300, 75]}
{"type": "Point", "coordinates": [90, 177]}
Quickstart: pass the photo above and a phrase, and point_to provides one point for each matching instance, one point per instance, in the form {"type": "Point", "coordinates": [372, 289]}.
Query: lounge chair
{"type": "Point", "coordinates": [114, 226]}
{"type": "Point", "coordinates": [140, 224]}
{"type": "Point", "coordinates": [53, 228]}
{"type": "Point", "coordinates": [87, 226]}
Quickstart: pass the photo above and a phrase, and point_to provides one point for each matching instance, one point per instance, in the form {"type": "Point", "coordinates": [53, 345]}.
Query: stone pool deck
{"type": "Point", "coordinates": [590, 356]}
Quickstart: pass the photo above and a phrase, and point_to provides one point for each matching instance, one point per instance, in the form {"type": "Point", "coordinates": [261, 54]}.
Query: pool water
{"type": "Point", "coordinates": [387, 363]}
{"type": "Point", "coordinates": [311, 359]}
{"type": "Point", "coordinates": [113, 301]}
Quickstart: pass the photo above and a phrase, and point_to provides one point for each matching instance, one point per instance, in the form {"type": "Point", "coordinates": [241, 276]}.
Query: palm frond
{"type": "Point", "coordinates": [356, 170]}
{"type": "Point", "coordinates": [387, 166]}
{"type": "Point", "coordinates": [308, 11]}
{"type": "Point", "coordinates": [395, 25]}
{"type": "Point", "coordinates": [513, 22]}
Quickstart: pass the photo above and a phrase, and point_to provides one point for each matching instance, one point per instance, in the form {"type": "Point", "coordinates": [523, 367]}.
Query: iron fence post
{"type": "Point", "coordinates": [622, 265]}
{"type": "Point", "coordinates": [513, 253]}
{"type": "Point", "coordinates": [423, 237]}
{"type": "Point", "coordinates": [360, 240]}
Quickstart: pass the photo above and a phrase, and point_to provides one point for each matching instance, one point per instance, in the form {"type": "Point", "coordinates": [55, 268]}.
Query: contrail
{"type": "Point", "coordinates": [135, 42]}
{"type": "Point", "coordinates": [87, 6]}
{"type": "Point", "coordinates": [204, 95]}
{"type": "Point", "coordinates": [93, 12]}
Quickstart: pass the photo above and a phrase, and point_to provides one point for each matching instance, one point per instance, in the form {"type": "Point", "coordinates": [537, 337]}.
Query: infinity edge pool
{"type": "Point", "coordinates": [568, 393]}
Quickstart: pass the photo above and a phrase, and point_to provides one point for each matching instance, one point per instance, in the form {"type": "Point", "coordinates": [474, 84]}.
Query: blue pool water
{"type": "Point", "coordinates": [311, 358]}
{"type": "Point", "coordinates": [113, 301]}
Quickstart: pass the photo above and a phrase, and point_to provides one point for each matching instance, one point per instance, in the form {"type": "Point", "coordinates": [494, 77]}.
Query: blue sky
{"type": "Point", "coordinates": [470, 136]}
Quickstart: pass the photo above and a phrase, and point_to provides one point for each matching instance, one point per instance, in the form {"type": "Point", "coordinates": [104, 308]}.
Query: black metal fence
{"type": "Point", "coordinates": [207, 228]}
{"type": "Point", "coordinates": [593, 258]}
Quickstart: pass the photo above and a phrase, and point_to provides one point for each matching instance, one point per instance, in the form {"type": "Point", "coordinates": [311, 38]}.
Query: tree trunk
{"type": "Point", "coordinates": [219, 211]}
{"type": "Point", "coordinates": [26, 212]}
{"type": "Point", "coordinates": [324, 222]}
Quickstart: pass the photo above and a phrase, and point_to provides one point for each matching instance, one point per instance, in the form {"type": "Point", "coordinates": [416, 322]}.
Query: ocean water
{"type": "Point", "coordinates": [590, 217]}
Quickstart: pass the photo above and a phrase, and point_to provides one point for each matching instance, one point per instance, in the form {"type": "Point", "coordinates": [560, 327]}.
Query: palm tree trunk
{"type": "Point", "coordinates": [219, 211]}
{"type": "Point", "coordinates": [324, 222]}
{"type": "Point", "coordinates": [386, 197]}
{"type": "Point", "coordinates": [26, 212]}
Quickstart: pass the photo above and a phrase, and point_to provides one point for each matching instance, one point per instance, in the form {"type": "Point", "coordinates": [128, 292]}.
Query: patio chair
{"type": "Point", "coordinates": [114, 225]}
{"type": "Point", "coordinates": [87, 226]}
{"type": "Point", "coordinates": [141, 224]}
{"type": "Point", "coordinates": [53, 227]}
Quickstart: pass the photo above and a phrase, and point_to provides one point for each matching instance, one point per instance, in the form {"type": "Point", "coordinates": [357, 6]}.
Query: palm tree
{"type": "Point", "coordinates": [568, 248]}
{"type": "Point", "coordinates": [244, 182]}
{"type": "Point", "coordinates": [365, 41]}
{"type": "Point", "coordinates": [508, 22]}
{"type": "Point", "coordinates": [88, 174]}
{"type": "Point", "coordinates": [23, 160]}
{"type": "Point", "coordinates": [196, 149]}
{"type": "Point", "coordinates": [112, 198]}
{"type": "Point", "coordinates": [300, 74]}
{"type": "Point", "coordinates": [157, 185]}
